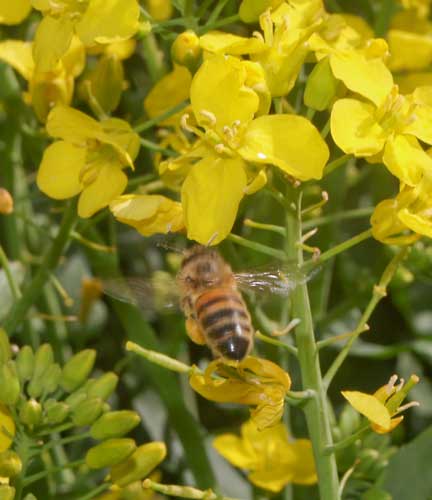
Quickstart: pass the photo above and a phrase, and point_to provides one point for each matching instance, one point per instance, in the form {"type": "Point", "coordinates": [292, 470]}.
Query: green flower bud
{"type": "Point", "coordinates": [44, 358]}
{"type": "Point", "coordinates": [102, 387]}
{"type": "Point", "coordinates": [139, 464]}
{"type": "Point", "coordinates": [25, 361]}
{"type": "Point", "coordinates": [114, 424]}
{"type": "Point", "coordinates": [349, 421]}
{"type": "Point", "coordinates": [10, 464]}
{"type": "Point", "coordinates": [86, 412]}
{"type": "Point", "coordinates": [7, 492]}
{"type": "Point", "coordinates": [30, 496]}
{"type": "Point", "coordinates": [186, 50]}
{"type": "Point", "coordinates": [110, 453]}
{"type": "Point", "coordinates": [76, 398]}
{"type": "Point", "coordinates": [52, 377]}
{"type": "Point", "coordinates": [5, 348]}
{"type": "Point", "coordinates": [106, 82]}
{"type": "Point", "coordinates": [367, 460]}
{"type": "Point", "coordinates": [30, 413]}
{"type": "Point", "coordinates": [9, 383]}
{"type": "Point", "coordinates": [321, 86]}
{"type": "Point", "coordinates": [77, 369]}
{"type": "Point", "coordinates": [55, 412]}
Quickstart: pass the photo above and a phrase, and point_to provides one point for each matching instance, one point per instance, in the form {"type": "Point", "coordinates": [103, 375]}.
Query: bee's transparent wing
{"type": "Point", "coordinates": [279, 280]}
{"type": "Point", "coordinates": [156, 293]}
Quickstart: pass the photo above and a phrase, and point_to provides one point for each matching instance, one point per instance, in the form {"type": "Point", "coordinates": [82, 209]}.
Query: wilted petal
{"type": "Point", "coordinates": [210, 196]}
{"type": "Point", "coordinates": [59, 172]}
{"type": "Point", "coordinates": [369, 406]}
{"type": "Point", "coordinates": [290, 142]}
{"type": "Point", "coordinates": [355, 129]}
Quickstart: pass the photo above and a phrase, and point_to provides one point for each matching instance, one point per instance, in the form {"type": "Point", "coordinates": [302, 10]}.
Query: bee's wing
{"type": "Point", "coordinates": [150, 294]}
{"type": "Point", "coordinates": [280, 280]}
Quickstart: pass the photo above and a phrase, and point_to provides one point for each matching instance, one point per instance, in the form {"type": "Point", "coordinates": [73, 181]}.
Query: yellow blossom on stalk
{"type": "Point", "coordinates": [50, 88]}
{"type": "Point", "coordinates": [89, 159]}
{"type": "Point", "coordinates": [7, 428]}
{"type": "Point", "coordinates": [14, 12]}
{"type": "Point", "coordinates": [93, 21]}
{"type": "Point", "coordinates": [148, 214]}
{"type": "Point", "coordinates": [272, 458]}
{"type": "Point", "coordinates": [383, 407]}
{"type": "Point", "coordinates": [254, 381]}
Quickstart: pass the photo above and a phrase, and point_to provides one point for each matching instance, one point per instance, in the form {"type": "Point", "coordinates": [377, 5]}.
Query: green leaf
{"type": "Point", "coordinates": [408, 473]}
{"type": "Point", "coordinates": [376, 494]}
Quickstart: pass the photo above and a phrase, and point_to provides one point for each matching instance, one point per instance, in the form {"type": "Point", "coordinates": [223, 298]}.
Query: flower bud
{"type": "Point", "coordinates": [321, 86]}
{"type": "Point", "coordinates": [349, 421]}
{"type": "Point", "coordinates": [77, 369]}
{"type": "Point", "coordinates": [44, 358]}
{"type": "Point", "coordinates": [47, 91]}
{"type": "Point", "coordinates": [30, 496]}
{"type": "Point", "coordinates": [9, 383]}
{"type": "Point", "coordinates": [8, 425]}
{"type": "Point", "coordinates": [6, 202]}
{"type": "Point", "coordinates": [7, 492]}
{"type": "Point", "coordinates": [31, 413]}
{"type": "Point", "coordinates": [86, 412]}
{"type": "Point", "coordinates": [110, 453]}
{"type": "Point", "coordinates": [52, 377]}
{"type": "Point", "coordinates": [367, 460]}
{"type": "Point", "coordinates": [139, 464]}
{"type": "Point", "coordinates": [25, 363]}
{"type": "Point", "coordinates": [102, 387]}
{"type": "Point", "coordinates": [55, 412]}
{"type": "Point", "coordinates": [114, 424]}
{"type": "Point", "coordinates": [186, 50]}
{"type": "Point", "coordinates": [160, 10]}
{"type": "Point", "coordinates": [10, 464]}
{"type": "Point", "coordinates": [5, 348]}
{"type": "Point", "coordinates": [106, 82]}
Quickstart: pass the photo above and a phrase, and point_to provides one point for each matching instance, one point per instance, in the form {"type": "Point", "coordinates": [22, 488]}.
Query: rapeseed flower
{"type": "Point", "coordinates": [254, 381]}
{"type": "Point", "coordinates": [93, 21]}
{"type": "Point", "coordinates": [50, 88]}
{"type": "Point", "coordinates": [14, 12]}
{"type": "Point", "coordinates": [272, 458]}
{"type": "Point", "coordinates": [88, 160]}
{"type": "Point", "coordinates": [383, 407]}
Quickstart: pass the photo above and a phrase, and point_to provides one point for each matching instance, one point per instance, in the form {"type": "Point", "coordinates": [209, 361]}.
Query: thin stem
{"type": "Point", "coordinates": [316, 409]}
{"type": "Point", "coordinates": [347, 441]}
{"type": "Point", "coordinates": [355, 240]}
{"type": "Point", "coordinates": [49, 262]}
{"type": "Point", "coordinates": [182, 491]}
{"type": "Point", "coordinates": [216, 13]}
{"type": "Point", "coordinates": [155, 147]}
{"type": "Point", "coordinates": [35, 477]}
{"type": "Point", "coordinates": [163, 116]}
{"type": "Point", "coordinates": [99, 489]}
{"type": "Point", "coordinates": [333, 165]}
{"type": "Point", "coordinates": [13, 285]}
{"type": "Point", "coordinates": [66, 440]}
{"type": "Point", "coordinates": [269, 340]}
{"type": "Point", "coordinates": [356, 213]}
{"type": "Point", "coordinates": [379, 292]}
{"type": "Point", "coordinates": [219, 24]}
{"type": "Point", "coordinates": [265, 227]}
{"type": "Point", "coordinates": [153, 57]}
{"type": "Point", "coordinates": [259, 247]}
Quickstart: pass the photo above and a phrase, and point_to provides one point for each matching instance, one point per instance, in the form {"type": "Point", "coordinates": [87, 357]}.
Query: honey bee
{"type": "Point", "coordinates": [208, 292]}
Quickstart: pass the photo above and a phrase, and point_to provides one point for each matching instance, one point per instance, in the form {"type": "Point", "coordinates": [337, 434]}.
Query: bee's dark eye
{"type": "Point", "coordinates": [189, 280]}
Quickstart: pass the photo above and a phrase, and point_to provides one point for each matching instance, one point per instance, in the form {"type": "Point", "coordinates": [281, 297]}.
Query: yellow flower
{"type": "Point", "coordinates": [45, 89]}
{"type": "Point", "coordinates": [148, 214]}
{"type": "Point", "coordinates": [94, 21]}
{"type": "Point", "coordinates": [14, 12]}
{"type": "Point", "coordinates": [382, 407]}
{"type": "Point", "coordinates": [7, 428]}
{"type": "Point", "coordinates": [254, 381]}
{"type": "Point", "coordinates": [272, 457]}
{"type": "Point", "coordinates": [88, 160]}
{"type": "Point", "coordinates": [231, 139]}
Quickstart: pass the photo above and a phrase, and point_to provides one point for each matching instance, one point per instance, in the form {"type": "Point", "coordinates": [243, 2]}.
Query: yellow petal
{"type": "Point", "coordinates": [52, 40]}
{"type": "Point", "coordinates": [381, 430]}
{"type": "Point", "coordinates": [119, 134]}
{"type": "Point", "coordinates": [405, 159]}
{"type": "Point", "coordinates": [257, 183]}
{"type": "Point", "coordinates": [420, 224]}
{"type": "Point", "coordinates": [303, 467]}
{"type": "Point", "coordinates": [74, 59]}
{"type": "Point", "coordinates": [250, 10]}
{"type": "Point", "coordinates": [110, 183]}
{"type": "Point", "coordinates": [273, 479]}
{"type": "Point", "coordinates": [387, 227]}
{"type": "Point", "coordinates": [211, 195]}
{"type": "Point", "coordinates": [235, 450]}
{"type": "Point", "coordinates": [421, 125]}
{"type": "Point", "coordinates": [227, 43]}
{"type": "Point", "coordinates": [219, 88]}
{"type": "Point", "coordinates": [360, 135]}
{"type": "Point", "coordinates": [160, 10]}
{"type": "Point", "coordinates": [59, 172]}
{"type": "Point", "coordinates": [122, 49]}
{"type": "Point", "coordinates": [402, 47]}
{"type": "Point", "coordinates": [107, 21]}
{"type": "Point", "coordinates": [170, 90]}
{"type": "Point", "coordinates": [368, 77]}
{"type": "Point", "coordinates": [14, 11]}
{"type": "Point", "coordinates": [224, 391]}
{"type": "Point", "coordinates": [290, 142]}
{"type": "Point", "coordinates": [359, 25]}
{"type": "Point", "coordinates": [369, 406]}
{"type": "Point", "coordinates": [72, 125]}
{"type": "Point", "coordinates": [19, 55]}
{"type": "Point", "coordinates": [7, 423]}
{"type": "Point", "coordinates": [408, 82]}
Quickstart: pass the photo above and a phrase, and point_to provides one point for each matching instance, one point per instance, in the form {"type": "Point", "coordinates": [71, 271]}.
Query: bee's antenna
{"type": "Point", "coordinates": [166, 245]}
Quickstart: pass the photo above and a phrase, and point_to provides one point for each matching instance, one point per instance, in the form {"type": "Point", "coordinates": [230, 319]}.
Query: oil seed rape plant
{"type": "Point", "coordinates": [292, 135]}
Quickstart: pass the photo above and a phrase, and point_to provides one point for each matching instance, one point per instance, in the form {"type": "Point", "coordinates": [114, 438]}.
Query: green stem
{"type": "Point", "coordinates": [153, 57]}
{"type": "Point", "coordinates": [385, 11]}
{"type": "Point", "coordinates": [333, 165]}
{"type": "Point", "coordinates": [219, 24]}
{"type": "Point", "coordinates": [315, 409]}
{"type": "Point", "coordinates": [258, 247]}
{"type": "Point", "coordinates": [99, 489]}
{"type": "Point", "coordinates": [39, 475]}
{"type": "Point", "coordinates": [48, 264]}
{"type": "Point", "coordinates": [155, 147]}
{"type": "Point", "coordinates": [4, 261]}
{"type": "Point", "coordinates": [269, 340]}
{"type": "Point", "coordinates": [379, 292]}
{"type": "Point", "coordinates": [347, 441]}
{"type": "Point", "coordinates": [356, 213]}
{"type": "Point", "coordinates": [163, 116]}
{"type": "Point", "coordinates": [355, 240]}
{"type": "Point", "coordinates": [66, 440]}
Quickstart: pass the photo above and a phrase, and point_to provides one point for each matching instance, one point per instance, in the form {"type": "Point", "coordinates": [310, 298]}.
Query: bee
{"type": "Point", "coordinates": [209, 294]}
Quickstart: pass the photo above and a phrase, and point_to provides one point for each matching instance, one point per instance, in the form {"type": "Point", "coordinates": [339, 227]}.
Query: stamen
{"type": "Point", "coordinates": [400, 385]}
{"type": "Point", "coordinates": [404, 407]}
{"type": "Point", "coordinates": [391, 383]}
{"type": "Point", "coordinates": [209, 116]}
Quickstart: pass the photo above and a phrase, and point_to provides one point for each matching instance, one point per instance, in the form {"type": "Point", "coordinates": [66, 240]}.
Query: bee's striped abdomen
{"type": "Point", "coordinates": [225, 321]}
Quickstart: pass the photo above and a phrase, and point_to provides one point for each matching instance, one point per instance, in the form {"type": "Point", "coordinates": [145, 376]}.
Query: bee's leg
{"type": "Point", "coordinates": [194, 331]}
